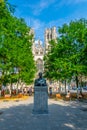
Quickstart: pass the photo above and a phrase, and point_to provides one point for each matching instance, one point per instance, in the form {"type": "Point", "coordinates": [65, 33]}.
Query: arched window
{"type": "Point", "coordinates": [48, 36]}
{"type": "Point", "coordinates": [41, 52]}
{"type": "Point", "coordinates": [39, 64]}
{"type": "Point", "coordinates": [36, 52]}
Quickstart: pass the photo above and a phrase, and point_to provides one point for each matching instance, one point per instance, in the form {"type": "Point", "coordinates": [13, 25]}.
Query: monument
{"type": "Point", "coordinates": [40, 96]}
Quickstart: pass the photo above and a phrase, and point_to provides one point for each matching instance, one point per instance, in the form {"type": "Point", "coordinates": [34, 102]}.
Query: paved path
{"type": "Point", "coordinates": [17, 115]}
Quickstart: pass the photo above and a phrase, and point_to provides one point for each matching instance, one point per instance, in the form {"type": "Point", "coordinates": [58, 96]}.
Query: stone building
{"type": "Point", "coordinates": [50, 34]}
{"type": "Point", "coordinates": [39, 50]}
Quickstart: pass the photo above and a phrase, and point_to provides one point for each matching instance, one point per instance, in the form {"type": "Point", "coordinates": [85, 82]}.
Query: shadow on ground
{"type": "Point", "coordinates": [62, 116]}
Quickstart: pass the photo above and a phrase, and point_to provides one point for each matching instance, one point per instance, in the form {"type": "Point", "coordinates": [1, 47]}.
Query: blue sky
{"type": "Point", "coordinates": [41, 14]}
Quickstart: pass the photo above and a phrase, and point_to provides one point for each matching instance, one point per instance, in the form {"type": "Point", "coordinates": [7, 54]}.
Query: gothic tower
{"type": "Point", "coordinates": [38, 49]}
{"type": "Point", "coordinates": [50, 34]}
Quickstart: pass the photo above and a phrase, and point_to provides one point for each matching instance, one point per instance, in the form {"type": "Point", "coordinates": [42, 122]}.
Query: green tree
{"type": "Point", "coordinates": [66, 57]}
{"type": "Point", "coordinates": [15, 48]}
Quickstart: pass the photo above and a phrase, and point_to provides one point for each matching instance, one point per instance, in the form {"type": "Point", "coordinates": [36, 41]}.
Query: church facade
{"type": "Point", "coordinates": [39, 50]}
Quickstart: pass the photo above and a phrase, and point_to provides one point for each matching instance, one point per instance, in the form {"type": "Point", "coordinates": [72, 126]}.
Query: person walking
{"type": "Point", "coordinates": [30, 91]}
{"type": "Point", "coordinates": [50, 91]}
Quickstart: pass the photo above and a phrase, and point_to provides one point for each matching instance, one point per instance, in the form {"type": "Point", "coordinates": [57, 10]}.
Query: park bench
{"type": "Point", "coordinates": [58, 96]}
{"type": "Point", "coordinates": [68, 97]}
{"type": "Point", "coordinates": [20, 95]}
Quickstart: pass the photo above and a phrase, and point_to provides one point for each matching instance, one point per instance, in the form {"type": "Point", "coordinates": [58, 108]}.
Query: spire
{"type": "Point", "coordinates": [39, 42]}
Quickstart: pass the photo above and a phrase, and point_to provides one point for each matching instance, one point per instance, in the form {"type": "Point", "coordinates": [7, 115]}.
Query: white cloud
{"type": "Point", "coordinates": [40, 6]}
{"type": "Point", "coordinates": [74, 16]}
{"type": "Point", "coordinates": [38, 26]}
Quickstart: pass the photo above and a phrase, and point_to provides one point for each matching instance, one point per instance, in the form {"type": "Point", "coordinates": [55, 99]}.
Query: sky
{"type": "Point", "coordinates": [42, 14]}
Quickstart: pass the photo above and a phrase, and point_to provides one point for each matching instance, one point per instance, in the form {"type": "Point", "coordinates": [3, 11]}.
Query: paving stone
{"type": "Point", "coordinates": [62, 115]}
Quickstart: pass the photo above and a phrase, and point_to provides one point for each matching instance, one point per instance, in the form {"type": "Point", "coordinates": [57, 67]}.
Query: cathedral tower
{"type": "Point", "coordinates": [50, 34]}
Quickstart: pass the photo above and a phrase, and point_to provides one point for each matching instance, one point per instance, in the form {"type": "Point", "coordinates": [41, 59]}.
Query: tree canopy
{"type": "Point", "coordinates": [67, 57]}
{"type": "Point", "coordinates": [16, 58]}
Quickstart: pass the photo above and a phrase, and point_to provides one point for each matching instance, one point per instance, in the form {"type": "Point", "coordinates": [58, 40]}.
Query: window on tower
{"type": "Point", "coordinates": [36, 53]}
{"type": "Point", "coordinates": [47, 36]}
{"type": "Point", "coordinates": [50, 36]}
{"type": "Point", "coordinates": [41, 53]}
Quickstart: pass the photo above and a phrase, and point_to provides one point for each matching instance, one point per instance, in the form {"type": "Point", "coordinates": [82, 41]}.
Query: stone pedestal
{"type": "Point", "coordinates": [40, 100]}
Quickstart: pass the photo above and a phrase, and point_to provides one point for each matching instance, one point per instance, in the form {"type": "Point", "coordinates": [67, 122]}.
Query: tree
{"type": "Point", "coordinates": [66, 57]}
{"type": "Point", "coordinates": [16, 58]}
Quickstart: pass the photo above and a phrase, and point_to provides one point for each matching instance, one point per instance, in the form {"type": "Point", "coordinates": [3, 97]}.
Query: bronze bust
{"type": "Point", "coordinates": [40, 81]}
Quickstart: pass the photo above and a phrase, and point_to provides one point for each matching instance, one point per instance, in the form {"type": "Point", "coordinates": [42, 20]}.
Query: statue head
{"type": "Point", "coordinates": [40, 81]}
{"type": "Point", "coordinates": [40, 74]}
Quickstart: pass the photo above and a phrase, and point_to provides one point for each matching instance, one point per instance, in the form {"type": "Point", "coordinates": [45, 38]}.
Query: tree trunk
{"type": "Point", "coordinates": [59, 87]}
{"type": "Point", "coordinates": [11, 87]}
{"type": "Point", "coordinates": [65, 86]}
{"type": "Point", "coordinates": [77, 85]}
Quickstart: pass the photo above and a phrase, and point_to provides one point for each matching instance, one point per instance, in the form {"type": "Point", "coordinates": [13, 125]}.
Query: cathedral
{"type": "Point", "coordinates": [39, 49]}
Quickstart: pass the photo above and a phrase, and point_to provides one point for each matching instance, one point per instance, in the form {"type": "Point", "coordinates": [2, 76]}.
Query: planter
{"type": "Point", "coordinates": [7, 96]}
